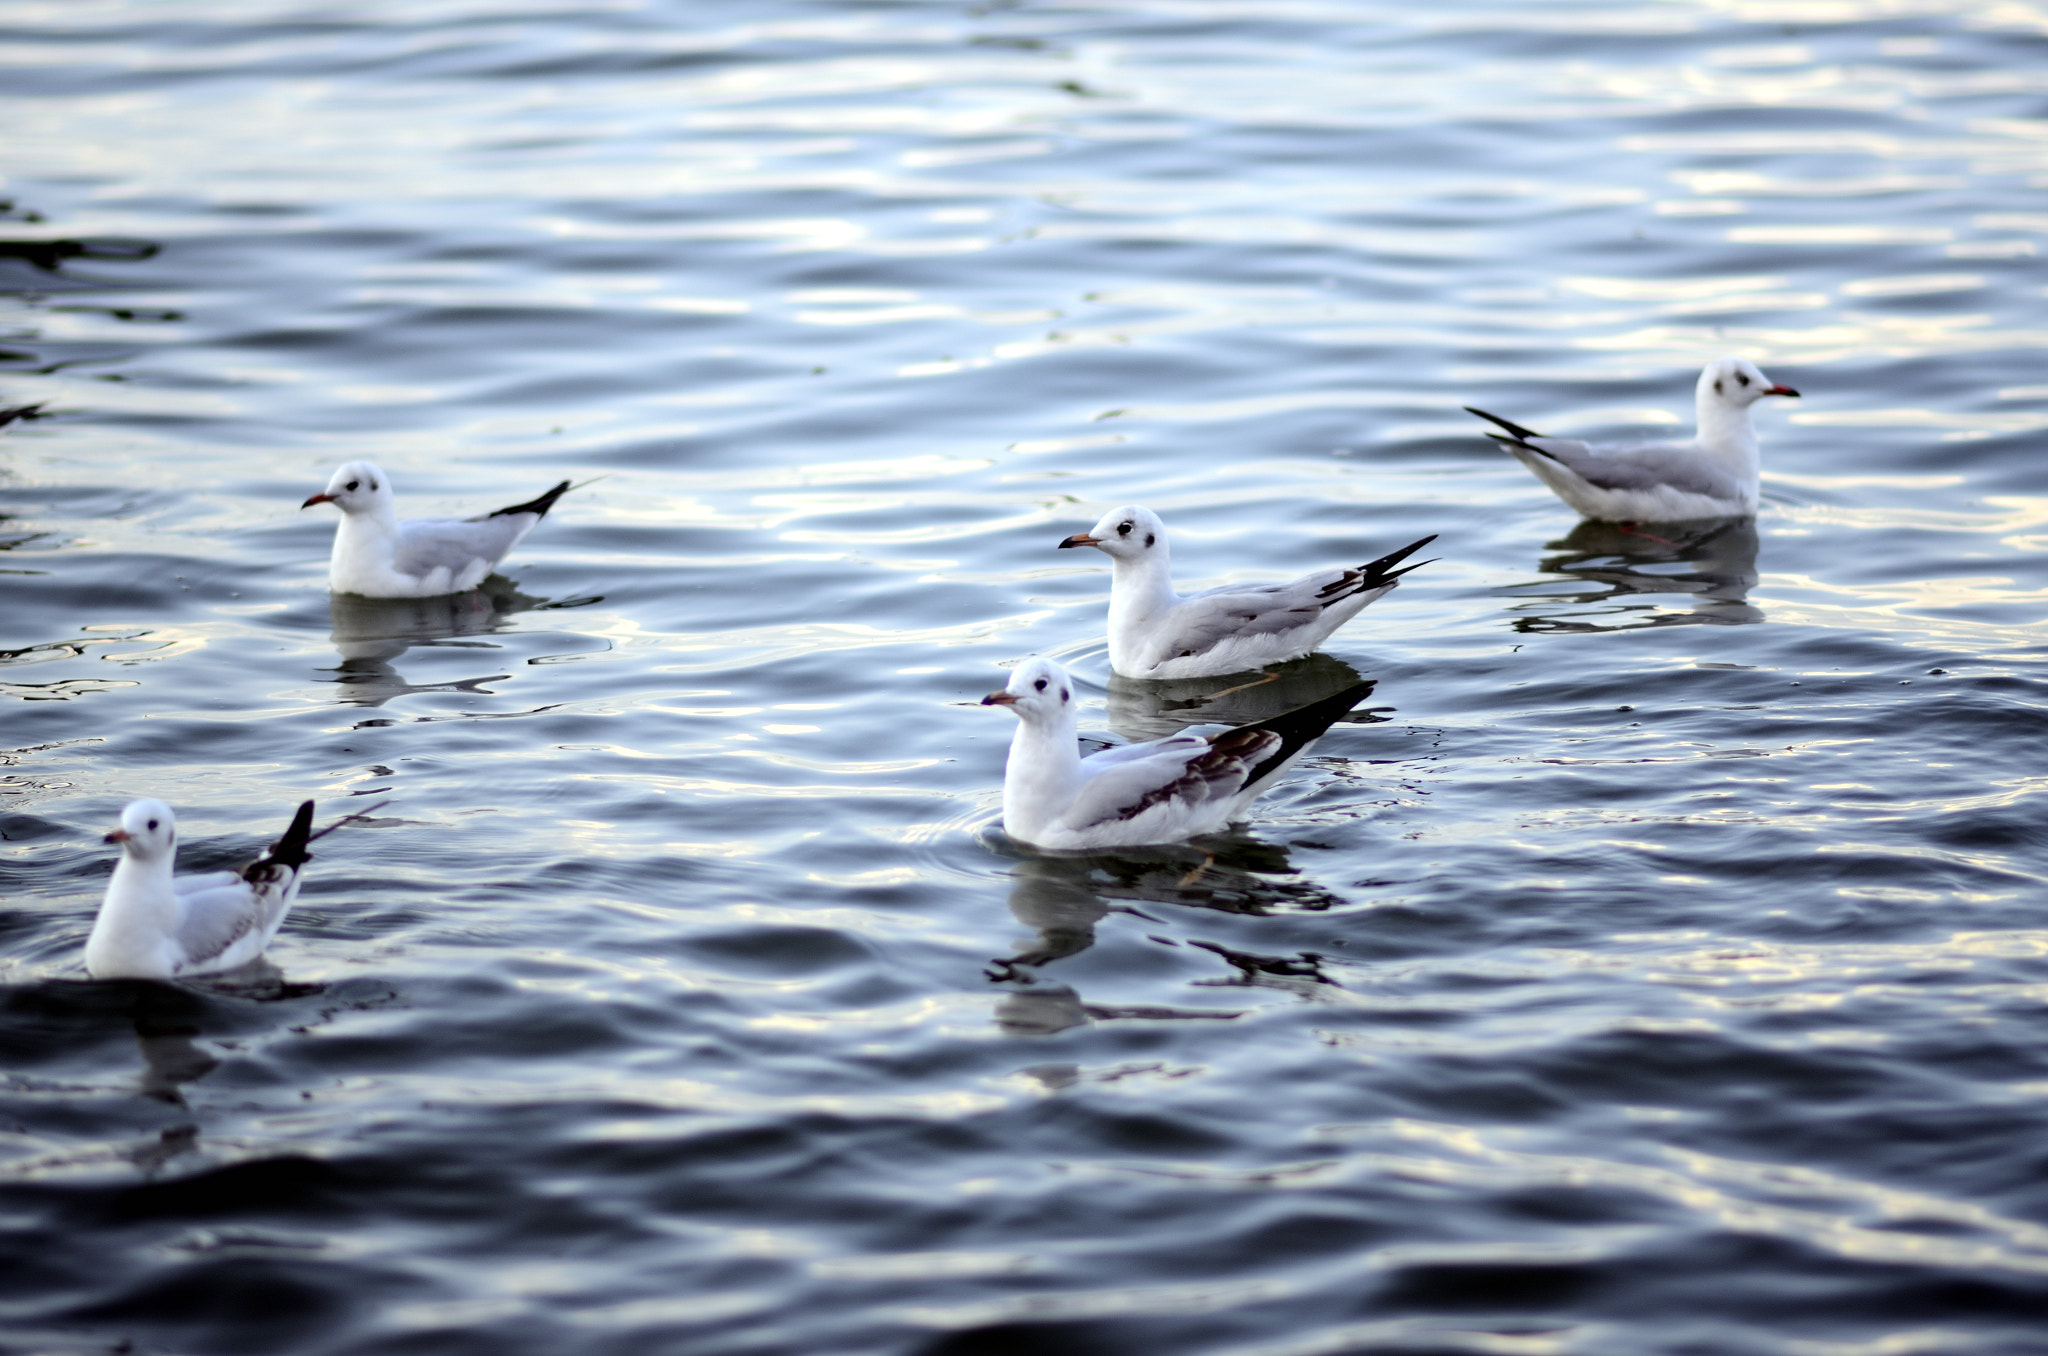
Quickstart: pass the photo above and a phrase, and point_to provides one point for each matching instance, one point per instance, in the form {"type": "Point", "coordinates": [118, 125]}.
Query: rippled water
{"type": "Point", "coordinates": [1656, 967]}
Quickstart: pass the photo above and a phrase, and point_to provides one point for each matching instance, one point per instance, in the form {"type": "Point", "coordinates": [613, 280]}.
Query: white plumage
{"type": "Point", "coordinates": [1160, 791]}
{"type": "Point", "coordinates": [156, 925]}
{"type": "Point", "coordinates": [1714, 474]}
{"type": "Point", "coordinates": [1154, 632]}
{"type": "Point", "coordinates": [378, 556]}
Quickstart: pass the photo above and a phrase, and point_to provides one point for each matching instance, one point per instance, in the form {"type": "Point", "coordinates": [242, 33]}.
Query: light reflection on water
{"type": "Point", "coordinates": [1659, 943]}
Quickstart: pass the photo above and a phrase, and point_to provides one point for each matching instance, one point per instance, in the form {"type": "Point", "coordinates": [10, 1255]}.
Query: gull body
{"type": "Point", "coordinates": [378, 556]}
{"type": "Point", "coordinates": [1160, 791]}
{"type": "Point", "coordinates": [1155, 632]}
{"type": "Point", "coordinates": [157, 925]}
{"type": "Point", "coordinates": [1714, 474]}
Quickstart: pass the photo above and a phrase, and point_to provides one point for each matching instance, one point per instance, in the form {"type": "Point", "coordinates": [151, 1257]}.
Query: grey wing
{"type": "Point", "coordinates": [1193, 773]}
{"type": "Point", "coordinates": [1649, 466]}
{"type": "Point", "coordinates": [218, 917]}
{"type": "Point", "coordinates": [454, 545]}
{"type": "Point", "coordinates": [1097, 763]}
{"type": "Point", "coordinates": [1207, 619]}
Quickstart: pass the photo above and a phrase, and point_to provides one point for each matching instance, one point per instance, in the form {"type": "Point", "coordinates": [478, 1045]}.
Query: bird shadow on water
{"type": "Point", "coordinates": [68, 1023]}
{"type": "Point", "coordinates": [1150, 709]}
{"type": "Point", "coordinates": [369, 633]}
{"type": "Point", "coordinates": [1628, 566]}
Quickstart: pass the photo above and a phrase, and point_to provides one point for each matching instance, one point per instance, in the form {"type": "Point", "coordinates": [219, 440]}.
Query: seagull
{"type": "Point", "coordinates": [1160, 791]}
{"type": "Point", "coordinates": [154, 925]}
{"type": "Point", "coordinates": [1156, 633]}
{"type": "Point", "coordinates": [379, 557]}
{"type": "Point", "coordinates": [1710, 475]}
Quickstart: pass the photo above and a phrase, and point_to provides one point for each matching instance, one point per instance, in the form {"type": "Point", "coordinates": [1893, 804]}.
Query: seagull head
{"type": "Point", "coordinates": [1738, 383]}
{"type": "Point", "coordinates": [357, 487]}
{"type": "Point", "coordinates": [1130, 533]}
{"type": "Point", "coordinates": [148, 830]}
{"type": "Point", "coordinates": [1038, 690]}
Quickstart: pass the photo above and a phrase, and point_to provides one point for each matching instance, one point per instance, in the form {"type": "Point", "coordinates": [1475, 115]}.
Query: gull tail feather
{"type": "Point", "coordinates": [290, 850]}
{"type": "Point", "coordinates": [1298, 728]}
{"type": "Point", "coordinates": [1382, 571]}
{"type": "Point", "coordinates": [539, 506]}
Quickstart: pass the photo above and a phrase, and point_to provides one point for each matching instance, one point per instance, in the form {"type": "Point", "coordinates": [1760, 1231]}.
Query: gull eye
{"type": "Point", "coordinates": [1717, 386]}
{"type": "Point", "coordinates": [1742, 377]}
{"type": "Point", "coordinates": [351, 485]}
{"type": "Point", "coordinates": [1040, 685]}
{"type": "Point", "coordinates": [152, 823]}
{"type": "Point", "coordinates": [1123, 529]}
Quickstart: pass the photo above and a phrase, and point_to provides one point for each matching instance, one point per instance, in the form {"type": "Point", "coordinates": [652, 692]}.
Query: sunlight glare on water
{"type": "Point", "coordinates": [1652, 965]}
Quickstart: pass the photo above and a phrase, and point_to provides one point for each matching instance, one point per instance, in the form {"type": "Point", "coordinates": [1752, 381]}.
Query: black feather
{"type": "Point", "coordinates": [1297, 728]}
{"type": "Point", "coordinates": [1520, 434]}
{"type": "Point", "coordinates": [539, 506]}
{"type": "Point", "coordinates": [289, 850]}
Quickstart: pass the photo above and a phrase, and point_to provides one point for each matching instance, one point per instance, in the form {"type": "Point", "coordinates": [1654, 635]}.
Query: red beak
{"type": "Point", "coordinates": [117, 836]}
{"type": "Point", "coordinates": [1781, 390]}
{"type": "Point", "coordinates": [1080, 539]}
{"type": "Point", "coordinates": [317, 499]}
{"type": "Point", "coordinates": [1000, 697]}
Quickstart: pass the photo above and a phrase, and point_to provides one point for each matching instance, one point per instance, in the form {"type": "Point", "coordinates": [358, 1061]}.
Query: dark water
{"type": "Point", "coordinates": [1657, 968]}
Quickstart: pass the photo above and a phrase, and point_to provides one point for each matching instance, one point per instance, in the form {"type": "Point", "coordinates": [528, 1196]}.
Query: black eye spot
{"type": "Point", "coordinates": [1123, 529]}
{"type": "Point", "coordinates": [1717, 386]}
{"type": "Point", "coordinates": [351, 485]}
{"type": "Point", "coordinates": [1742, 377]}
{"type": "Point", "coordinates": [1063, 694]}
{"type": "Point", "coordinates": [1149, 539]}
{"type": "Point", "coordinates": [152, 823]}
{"type": "Point", "coordinates": [373, 486]}
{"type": "Point", "coordinates": [1040, 685]}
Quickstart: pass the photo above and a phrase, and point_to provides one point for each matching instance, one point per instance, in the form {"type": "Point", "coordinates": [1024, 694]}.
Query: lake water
{"type": "Point", "coordinates": [1657, 966]}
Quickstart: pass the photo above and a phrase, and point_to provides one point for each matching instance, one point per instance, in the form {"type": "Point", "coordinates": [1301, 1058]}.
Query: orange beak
{"type": "Point", "coordinates": [117, 836]}
{"type": "Point", "coordinates": [1000, 697]}
{"type": "Point", "coordinates": [1080, 539]}
{"type": "Point", "coordinates": [317, 499]}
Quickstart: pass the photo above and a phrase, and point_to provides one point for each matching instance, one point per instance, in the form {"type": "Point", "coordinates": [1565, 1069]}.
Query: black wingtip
{"type": "Point", "coordinates": [1521, 434]}
{"type": "Point", "coordinates": [1382, 571]}
{"type": "Point", "coordinates": [539, 506]}
{"type": "Point", "coordinates": [291, 849]}
{"type": "Point", "coordinates": [35, 411]}
{"type": "Point", "coordinates": [1303, 726]}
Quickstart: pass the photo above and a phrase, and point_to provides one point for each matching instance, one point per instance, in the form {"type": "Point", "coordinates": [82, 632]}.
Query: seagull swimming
{"type": "Point", "coordinates": [1156, 633]}
{"type": "Point", "coordinates": [154, 925]}
{"type": "Point", "coordinates": [1160, 791]}
{"type": "Point", "coordinates": [379, 557]}
{"type": "Point", "coordinates": [1713, 474]}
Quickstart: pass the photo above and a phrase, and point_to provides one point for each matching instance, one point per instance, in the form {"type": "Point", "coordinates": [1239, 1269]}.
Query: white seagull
{"type": "Point", "coordinates": [154, 925]}
{"type": "Point", "coordinates": [1714, 474]}
{"type": "Point", "coordinates": [1160, 791]}
{"type": "Point", "coordinates": [1154, 632]}
{"type": "Point", "coordinates": [379, 557]}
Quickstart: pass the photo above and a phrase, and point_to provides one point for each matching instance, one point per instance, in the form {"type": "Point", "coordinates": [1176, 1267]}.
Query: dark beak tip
{"type": "Point", "coordinates": [313, 499]}
{"type": "Point", "coordinates": [1078, 539]}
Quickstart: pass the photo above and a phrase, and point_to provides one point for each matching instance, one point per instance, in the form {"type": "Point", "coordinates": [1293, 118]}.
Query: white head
{"type": "Point", "coordinates": [1129, 534]}
{"type": "Point", "coordinates": [358, 487]}
{"type": "Point", "coordinates": [148, 830]}
{"type": "Point", "coordinates": [1039, 692]}
{"type": "Point", "coordinates": [1736, 383]}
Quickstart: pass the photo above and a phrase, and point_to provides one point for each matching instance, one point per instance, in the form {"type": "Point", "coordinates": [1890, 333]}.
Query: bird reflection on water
{"type": "Point", "coordinates": [1713, 562]}
{"type": "Point", "coordinates": [371, 632]}
{"type": "Point", "coordinates": [1149, 709]}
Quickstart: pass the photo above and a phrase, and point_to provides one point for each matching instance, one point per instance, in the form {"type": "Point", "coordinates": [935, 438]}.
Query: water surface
{"type": "Point", "coordinates": [1654, 967]}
